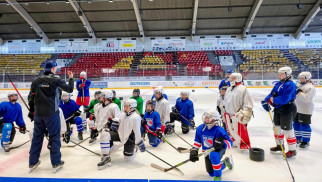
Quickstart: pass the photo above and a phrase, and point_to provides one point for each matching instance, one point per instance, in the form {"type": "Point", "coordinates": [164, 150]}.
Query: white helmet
{"type": "Point", "coordinates": [108, 94]}
{"type": "Point", "coordinates": [84, 74]}
{"type": "Point", "coordinates": [186, 92]}
{"type": "Point", "coordinates": [131, 102]}
{"type": "Point", "coordinates": [213, 116]}
{"type": "Point", "coordinates": [238, 78]}
{"type": "Point", "coordinates": [65, 96]}
{"type": "Point", "coordinates": [10, 93]}
{"type": "Point", "coordinates": [306, 75]}
{"type": "Point", "coordinates": [159, 89]}
{"type": "Point", "coordinates": [286, 70]}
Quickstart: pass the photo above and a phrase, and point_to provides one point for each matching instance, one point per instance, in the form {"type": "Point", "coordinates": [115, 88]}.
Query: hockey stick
{"type": "Point", "coordinates": [79, 142]}
{"type": "Point", "coordinates": [19, 145]}
{"type": "Point", "coordinates": [85, 148]}
{"type": "Point", "coordinates": [19, 129]}
{"type": "Point", "coordinates": [193, 127]}
{"type": "Point", "coordinates": [18, 92]}
{"type": "Point", "coordinates": [181, 163]}
{"type": "Point", "coordinates": [276, 133]}
{"type": "Point", "coordinates": [152, 165]}
{"type": "Point", "coordinates": [183, 139]}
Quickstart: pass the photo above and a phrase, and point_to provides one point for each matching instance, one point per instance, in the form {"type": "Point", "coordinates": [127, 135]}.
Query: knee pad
{"type": "Point", "coordinates": [6, 133]}
{"type": "Point", "coordinates": [105, 137]}
{"type": "Point", "coordinates": [185, 129]}
{"type": "Point", "coordinates": [79, 124]}
{"type": "Point", "coordinates": [91, 123]}
{"type": "Point", "coordinates": [129, 148]}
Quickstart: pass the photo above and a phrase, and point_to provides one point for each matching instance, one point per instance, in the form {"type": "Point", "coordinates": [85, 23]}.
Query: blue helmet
{"type": "Point", "coordinates": [230, 71]}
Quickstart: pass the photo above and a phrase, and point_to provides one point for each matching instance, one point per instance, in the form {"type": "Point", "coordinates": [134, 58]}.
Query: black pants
{"type": "Point", "coordinates": [284, 116]}
{"type": "Point", "coordinates": [128, 146]}
{"type": "Point", "coordinates": [176, 116]}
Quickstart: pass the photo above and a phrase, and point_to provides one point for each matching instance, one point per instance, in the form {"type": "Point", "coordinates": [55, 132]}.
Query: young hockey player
{"type": "Point", "coordinates": [116, 100]}
{"type": "Point", "coordinates": [71, 113]}
{"type": "Point", "coordinates": [183, 112]}
{"type": "Point", "coordinates": [104, 114]}
{"type": "Point", "coordinates": [82, 86]}
{"type": "Point", "coordinates": [90, 109]}
{"type": "Point", "coordinates": [225, 82]}
{"type": "Point", "coordinates": [238, 105]}
{"type": "Point", "coordinates": [163, 108]}
{"type": "Point", "coordinates": [282, 99]}
{"type": "Point", "coordinates": [304, 104]}
{"type": "Point", "coordinates": [92, 120]}
{"type": "Point", "coordinates": [220, 105]}
{"type": "Point", "coordinates": [210, 135]}
{"type": "Point", "coordinates": [160, 88]}
{"type": "Point", "coordinates": [126, 129]}
{"type": "Point", "coordinates": [10, 111]}
{"type": "Point", "coordinates": [151, 124]}
{"type": "Point", "coordinates": [136, 96]}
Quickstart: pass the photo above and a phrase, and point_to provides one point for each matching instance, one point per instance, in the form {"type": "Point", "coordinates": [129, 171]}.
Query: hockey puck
{"type": "Point", "coordinates": [193, 90]}
{"type": "Point", "coordinates": [121, 98]}
{"type": "Point", "coordinates": [256, 154]}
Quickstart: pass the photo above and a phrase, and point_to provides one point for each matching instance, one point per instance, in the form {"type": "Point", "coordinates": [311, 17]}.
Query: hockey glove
{"type": "Point", "coordinates": [192, 123]}
{"type": "Point", "coordinates": [77, 113]}
{"type": "Point", "coordinates": [194, 155]}
{"type": "Point", "coordinates": [159, 133]}
{"type": "Point", "coordinates": [219, 144]}
{"type": "Point", "coordinates": [31, 116]}
{"type": "Point", "coordinates": [219, 110]}
{"type": "Point", "coordinates": [94, 133]}
{"type": "Point", "coordinates": [22, 129]}
{"type": "Point", "coordinates": [115, 125]}
{"type": "Point", "coordinates": [266, 106]}
{"type": "Point", "coordinates": [174, 109]}
{"type": "Point", "coordinates": [141, 146]}
{"type": "Point", "coordinates": [298, 91]}
{"type": "Point", "coordinates": [92, 117]}
{"type": "Point", "coordinates": [82, 85]}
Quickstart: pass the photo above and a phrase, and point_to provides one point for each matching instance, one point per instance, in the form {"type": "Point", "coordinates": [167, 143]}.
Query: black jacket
{"type": "Point", "coordinates": [44, 94]}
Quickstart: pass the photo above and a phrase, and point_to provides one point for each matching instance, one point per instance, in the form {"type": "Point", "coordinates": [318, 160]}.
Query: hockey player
{"type": "Point", "coordinates": [126, 129]}
{"type": "Point", "coordinates": [10, 111]}
{"type": "Point", "coordinates": [304, 104]}
{"type": "Point", "coordinates": [183, 111]}
{"type": "Point", "coordinates": [90, 109]}
{"type": "Point", "coordinates": [152, 124]}
{"type": "Point", "coordinates": [82, 86]}
{"type": "Point", "coordinates": [220, 104]}
{"type": "Point", "coordinates": [104, 114]}
{"type": "Point", "coordinates": [210, 135]}
{"type": "Point", "coordinates": [160, 88]}
{"type": "Point", "coordinates": [71, 113]}
{"type": "Point", "coordinates": [116, 100]}
{"type": "Point", "coordinates": [136, 96]}
{"type": "Point", "coordinates": [163, 108]}
{"type": "Point", "coordinates": [282, 99]}
{"type": "Point", "coordinates": [238, 105]}
{"type": "Point", "coordinates": [225, 82]}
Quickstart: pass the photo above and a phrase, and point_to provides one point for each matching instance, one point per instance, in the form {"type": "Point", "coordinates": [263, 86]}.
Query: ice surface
{"type": "Point", "coordinates": [79, 163]}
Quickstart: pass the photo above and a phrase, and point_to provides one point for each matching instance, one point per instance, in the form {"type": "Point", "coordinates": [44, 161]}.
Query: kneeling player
{"type": "Point", "coordinates": [209, 135]}
{"type": "Point", "coordinates": [71, 113]}
{"type": "Point", "coordinates": [126, 129]}
{"type": "Point", "coordinates": [151, 124]}
{"type": "Point", "coordinates": [10, 112]}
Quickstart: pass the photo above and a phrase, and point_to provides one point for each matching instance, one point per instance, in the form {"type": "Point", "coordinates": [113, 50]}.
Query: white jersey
{"type": "Point", "coordinates": [102, 114]}
{"type": "Point", "coordinates": [163, 108]}
{"type": "Point", "coordinates": [220, 104]}
{"type": "Point", "coordinates": [304, 99]}
{"type": "Point", "coordinates": [62, 122]}
{"type": "Point", "coordinates": [236, 99]}
{"type": "Point", "coordinates": [127, 125]}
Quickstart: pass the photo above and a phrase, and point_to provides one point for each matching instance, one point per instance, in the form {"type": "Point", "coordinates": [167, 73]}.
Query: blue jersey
{"type": "Point", "coordinates": [205, 138]}
{"type": "Point", "coordinates": [285, 92]}
{"type": "Point", "coordinates": [153, 120]}
{"type": "Point", "coordinates": [11, 113]}
{"type": "Point", "coordinates": [185, 108]}
{"type": "Point", "coordinates": [86, 88]}
{"type": "Point", "coordinates": [223, 82]}
{"type": "Point", "coordinates": [68, 108]}
{"type": "Point", "coordinates": [164, 95]}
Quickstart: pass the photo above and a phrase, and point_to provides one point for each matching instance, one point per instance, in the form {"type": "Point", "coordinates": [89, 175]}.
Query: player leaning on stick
{"type": "Point", "coordinates": [282, 99]}
{"type": "Point", "coordinates": [238, 105]}
{"type": "Point", "coordinates": [304, 103]}
{"type": "Point", "coordinates": [210, 135]}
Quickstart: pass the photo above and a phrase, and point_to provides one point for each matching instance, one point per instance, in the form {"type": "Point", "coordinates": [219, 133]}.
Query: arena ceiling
{"type": "Point", "coordinates": [118, 18]}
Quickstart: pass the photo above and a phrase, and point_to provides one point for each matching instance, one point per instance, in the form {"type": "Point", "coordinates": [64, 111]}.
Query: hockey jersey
{"type": "Point", "coordinates": [304, 99]}
{"type": "Point", "coordinates": [285, 92]}
{"type": "Point", "coordinates": [118, 102]}
{"type": "Point", "coordinates": [103, 113]}
{"type": "Point", "coordinates": [236, 98]}
{"type": "Point", "coordinates": [163, 108]}
{"type": "Point", "coordinates": [152, 120]}
{"type": "Point", "coordinates": [185, 108]}
{"type": "Point", "coordinates": [223, 82]}
{"type": "Point", "coordinates": [127, 125]}
{"type": "Point", "coordinates": [92, 104]}
{"type": "Point", "coordinates": [164, 95]}
{"type": "Point", "coordinates": [205, 138]}
{"type": "Point", "coordinates": [220, 104]}
{"type": "Point", "coordinates": [86, 88]}
{"type": "Point", "coordinates": [11, 113]}
{"type": "Point", "coordinates": [139, 106]}
{"type": "Point", "coordinates": [68, 108]}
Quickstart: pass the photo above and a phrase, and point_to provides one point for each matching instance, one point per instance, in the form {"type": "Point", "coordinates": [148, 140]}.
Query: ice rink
{"type": "Point", "coordinates": [80, 163]}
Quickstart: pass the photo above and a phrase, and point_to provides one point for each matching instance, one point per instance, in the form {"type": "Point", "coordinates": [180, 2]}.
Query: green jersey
{"type": "Point", "coordinates": [91, 105]}
{"type": "Point", "coordinates": [118, 102]}
{"type": "Point", "coordinates": [139, 101]}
